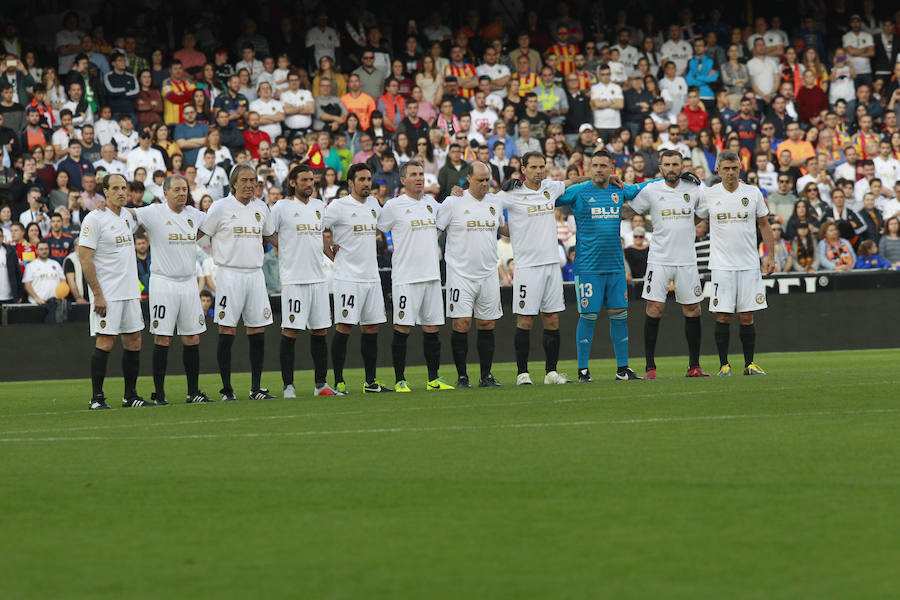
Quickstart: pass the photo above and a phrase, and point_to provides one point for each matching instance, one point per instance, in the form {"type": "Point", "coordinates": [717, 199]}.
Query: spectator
{"type": "Point", "coordinates": [636, 254]}
{"type": "Point", "coordinates": [860, 46]}
{"type": "Point", "coordinates": [524, 142]}
{"type": "Point", "coordinates": [149, 106]}
{"type": "Point", "coordinates": [890, 241]}
{"type": "Point", "coordinates": [42, 276]}
{"type": "Point", "coordinates": [61, 244]}
{"type": "Point", "coordinates": [234, 103]}
{"type": "Point", "coordinates": [872, 218]}
{"type": "Point", "coordinates": [784, 261]}
{"type": "Point", "coordinates": [804, 247]}
{"type": "Point", "coordinates": [811, 99]}
{"type": "Point", "coordinates": [37, 211]}
{"type": "Point", "coordinates": [765, 72]}
{"type": "Point", "coordinates": [358, 102]}
{"type": "Point", "coordinates": [843, 75]}
{"type": "Point", "coordinates": [253, 135]}
{"type": "Point", "coordinates": [673, 88]}
{"type": "Point", "coordinates": [453, 172]}
{"type": "Point", "coordinates": [607, 100]}
{"type": "Point", "coordinates": [121, 87]}
{"type": "Point", "coordinates": [271, 112]}
{"type": "Point", "coordinates": [11, 288]}
{"type": "Point", "coordinates": [868, 257]}
{"type": "Point", "coordinates": [676, 51]}
{"type": "Point", "coordinates": [701, 73]}
{"type": "Point", "coordinates": [849, 224]}
{"type": "Point", "coordinates": [150, 159]}
{"type": "Point", "coordinates": [75, 165]}
{"type": "Point", "coordinates": [696, 113]}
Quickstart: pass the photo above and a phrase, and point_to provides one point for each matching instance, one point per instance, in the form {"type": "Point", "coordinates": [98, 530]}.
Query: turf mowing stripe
{"type": "Point", "coordinates": [448, 428]}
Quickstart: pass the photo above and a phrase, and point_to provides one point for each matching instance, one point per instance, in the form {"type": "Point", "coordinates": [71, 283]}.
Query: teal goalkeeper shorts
{"type": "Point", "coordinates": [594, 292]}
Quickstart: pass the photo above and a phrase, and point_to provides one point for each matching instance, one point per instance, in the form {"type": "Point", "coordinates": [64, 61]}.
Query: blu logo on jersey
{"type": "Point", "coordinates": [604, 212]}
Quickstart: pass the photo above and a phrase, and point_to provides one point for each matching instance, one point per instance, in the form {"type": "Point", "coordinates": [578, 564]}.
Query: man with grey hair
{"type": "Point", "coordinates": [237, 225]}
{"type": "Point", "coordinates": [172, 229]}
{"type": "Point", "coordinates": [735, 210]}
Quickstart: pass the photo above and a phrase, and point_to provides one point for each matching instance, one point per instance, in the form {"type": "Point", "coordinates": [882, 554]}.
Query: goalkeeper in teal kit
{"type": "Point", "coordinates": [599, 262]}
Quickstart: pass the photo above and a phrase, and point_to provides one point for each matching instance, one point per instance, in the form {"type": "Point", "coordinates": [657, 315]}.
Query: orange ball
{"type": "Point", "coordinates": [62, 290]}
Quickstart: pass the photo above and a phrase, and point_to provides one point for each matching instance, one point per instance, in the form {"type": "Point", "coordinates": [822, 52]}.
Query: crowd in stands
{"type": "Point", "coordinates": [809, 103]}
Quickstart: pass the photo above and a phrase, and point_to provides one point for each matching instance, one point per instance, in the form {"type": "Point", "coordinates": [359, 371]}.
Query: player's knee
{"type": "Point", "coordinates": [723, 318]}
{"type": "Point", "coordinates": [619, 315]}
{"type": "Point", "coordinates": [131, 341]}
{"type": "Point", "coordinates": [655, 309]}
{"type": "Point", "coordinates": [551, 321]}
{"type": "Point", "coordinates": [462, 325]}
{"type": "Point", "coordinates": [290, 333]}
{"type": "Point", "coordinates": [430, 328]}
{"type": "Point", "coordinates": [691, 310]}
{"type": "Point", "coordinates": [318, 332]}
{"type": "Point", "coordinates": [369, 328]}
{"type": "Point", "coordinates": [589, 316]}
{"type": "Point", "coordinates": [226, 330]}
{"type": "Point", "coordinates": [105, 342]}
{"type": "Point", "coordinates": [746, 318]}
{"type": "Point", "coordinates": [163, 340]}
{"type": "Point", "coordinates": [484, 325]}
{"type": "Point", "coordinates": [524, 321]}
{"type": "Point", "coordinates": [403, 329]}
{"type": "Point", "coordinates": [343, 328]}
{"type": "Point", "coordinates": [190, 340]}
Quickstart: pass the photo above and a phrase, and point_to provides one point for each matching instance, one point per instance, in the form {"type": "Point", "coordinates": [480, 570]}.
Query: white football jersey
{"type": "Point", "coordinates": [173, 239]}
{"type": "Point", "coordinates": [532, 223]}
{"type": "Point", "coordinates": [413, 227]}
{"type": "Point", "coordinates": [672, 213]}
{"type": "Point", "coordinates": [110, 236]}
{"type": "Point", "coordinates": [236, 231]}
{"type": "Point", "coordinates": [44, 276]}
{"type": "Point", "coordinates": [299, 228]}
{"type": "Point", "coordinates": [732, 225]}
{"type": "Point", "coordinates": [471, 227]}
{"type": "Point", "coordinates": [353, 224]}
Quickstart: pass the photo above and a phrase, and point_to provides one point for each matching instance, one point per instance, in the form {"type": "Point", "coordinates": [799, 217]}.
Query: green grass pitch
{"type": "Point", "coordinates": [784, 486]}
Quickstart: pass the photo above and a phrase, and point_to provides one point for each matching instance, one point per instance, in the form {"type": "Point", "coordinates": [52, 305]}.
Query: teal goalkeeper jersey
{"type": "Point", "coordinates": [597, 211]}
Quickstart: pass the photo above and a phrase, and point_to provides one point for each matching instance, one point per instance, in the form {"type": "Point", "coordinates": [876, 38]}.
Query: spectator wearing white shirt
{"type": "Point", "coordinates": [249, 61]}
{"type": "Point", "coordinates": [607, 101]}
{"type": "Point", "coordinates": [36, 213]}
{"type": "Point", "coordinates": [887, 168]}
{"type": "Point", "coordinates": [42, 275]}
{"type": "Point", "coordinates": [105, 127]}
{"type": "Point", "coordinates": [144, 156]}
{"type": "Point", "coordinates": [628, 54]}
{"type": "Point", "coordinates": [498, 73]}
{"type": "Point", "coordinates": [298, 105]}
{"type": "Point", "coordinates": [271, 111]}
{"type": "Point", "coordinates": [765, 72]}
{"type": "Point", "coordinates": [816, 174]}
{"type": "Point", "coordinates": [324, 40]}
{"type": "Point", "coordinates": [81, 110]}
{"type": "Point", "coordinates": [68, 42]}
{"type": "Point", "coordinates": [673, 88]}
{"type": "Point", "coordinates": [108, 161]}
{"type": "Point", "coordinates": [676, 50]}
{"type": "Point", "coordinates": [212, 176]}
{"type": "Point", "coordinates": [860, 47]}
{"type": "Point", "coordinates": [673, 142]}
{"type": "Point", "coordinates": [774, 40]}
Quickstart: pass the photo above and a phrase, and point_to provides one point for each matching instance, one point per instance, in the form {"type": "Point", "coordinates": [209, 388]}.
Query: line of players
{"type": "Point", "coordinates": [302, 229]}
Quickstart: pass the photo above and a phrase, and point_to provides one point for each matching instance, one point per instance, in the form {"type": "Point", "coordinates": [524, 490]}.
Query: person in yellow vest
{"type": "Point", "coordinates": [551, 97]}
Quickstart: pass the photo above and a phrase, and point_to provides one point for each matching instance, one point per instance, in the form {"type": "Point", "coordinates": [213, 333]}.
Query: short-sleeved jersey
{"type": "Point", "coordinates": [732, 225]}
{"type": "Point", "coordinates": [598, 211]}
{"type": "Point", "coordinates": [236, 231]}
{"type": "Point", "coordinates": [44, 276]}
{"type": "Point", "coordinates": [672, 213]}
{"type": "Point", "coordinates": [299, 228]}
{"type": "Point", "coordinates": [471, 227]}
{"type": "Point", "coordinates": [110, 236]}
{"type": "Point", "coordinates": [746, 128]}
{"type": "Point", "coordinates": [353, 224]}
{"type": "Point", "coordinates": [532, 223]}
{"type": "Point", "coordinates": [173, 238]}
{"type": "Point", "coordinates": [413, 227]}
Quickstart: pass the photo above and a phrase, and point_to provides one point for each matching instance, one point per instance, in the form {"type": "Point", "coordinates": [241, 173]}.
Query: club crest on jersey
{"type": "Point", "coordinates": [221, 314]}
{"type": "Point", "coordinates": [267, 313]}
{"type": "Point", "coordinates": [291, 318]}
{"type": "Point", "coordinates": [715, 301]}
{"type": "Point", "coordinates": [687, 197]}
{"type": "Point", "coordinates": [615, 198]}
{"type": "Point", "coordinates": [345, 312]}
{"type": "Point", "coordinates": [451, 308]}
{"type": "Point", "coordinates": [521, 304]}
{"type": "Point", "coordinates": [428, 206]}
{"type": "Point", "coordinates": [547, 194]}
{"type": "Point", "coordinates": [745, 201]}
{"type": "Point", "coordinates": [190, 223]}
{"type": "Point", "coordinates": [258, 217]}
{"type": "Point", "coordinates": [493, 212]}
{"type": "Point", "coordinates": [584, 302]}
{"type": "Point", "coordinates": [760, 298]}
{"type": "Point", "coordinates": [155, 323]}
{"type": "Point", "coordinates": [318, 215]}
{"type": "Point", "coordinates": [102, 324]}
{"type": "Point", "coordinates": [373, 213]}
{"type": "Point", "coordinates": [401, 314]}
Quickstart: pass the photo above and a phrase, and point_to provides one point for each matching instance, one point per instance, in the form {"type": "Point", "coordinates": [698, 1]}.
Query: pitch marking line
{"type": "Point", "coordinates": [452, 428]}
